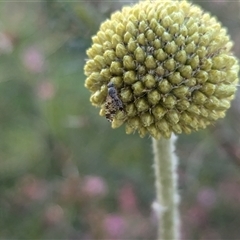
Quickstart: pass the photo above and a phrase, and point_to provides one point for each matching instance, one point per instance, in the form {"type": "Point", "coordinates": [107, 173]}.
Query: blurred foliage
{"type": "Point", "coordinates": [64, 173]}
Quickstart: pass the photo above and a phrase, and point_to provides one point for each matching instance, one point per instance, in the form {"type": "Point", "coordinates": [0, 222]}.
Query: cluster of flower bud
{"type": "Point", "coordinates": [170, 64]}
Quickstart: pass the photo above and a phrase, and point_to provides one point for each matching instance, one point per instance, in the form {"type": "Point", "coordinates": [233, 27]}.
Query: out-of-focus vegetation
{"type": "Point", "coordinates": [64, 173]}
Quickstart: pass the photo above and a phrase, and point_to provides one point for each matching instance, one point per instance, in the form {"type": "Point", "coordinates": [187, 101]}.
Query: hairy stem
{"type": "Point", "coordinates": [165, 166]}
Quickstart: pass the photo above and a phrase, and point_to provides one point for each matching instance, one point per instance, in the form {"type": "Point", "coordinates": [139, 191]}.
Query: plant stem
{"type": "Point", "coordinates": [165, 165]}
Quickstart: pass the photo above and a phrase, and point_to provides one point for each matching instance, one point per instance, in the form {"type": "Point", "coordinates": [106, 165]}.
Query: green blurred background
{"type": "Point", "coordinates": [64, 173]}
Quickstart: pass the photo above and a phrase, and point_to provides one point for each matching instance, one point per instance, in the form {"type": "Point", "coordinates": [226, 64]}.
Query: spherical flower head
{"type": "Point", "coordinates": [161, 67]}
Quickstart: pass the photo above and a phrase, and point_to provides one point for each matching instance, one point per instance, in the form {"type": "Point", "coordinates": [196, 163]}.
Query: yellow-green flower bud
{"type": "Point", "coordinates": [161, 67]}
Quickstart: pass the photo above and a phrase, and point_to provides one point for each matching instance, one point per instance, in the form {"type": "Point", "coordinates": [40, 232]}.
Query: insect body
{"type": "Point", "coordinates": [113, 102]}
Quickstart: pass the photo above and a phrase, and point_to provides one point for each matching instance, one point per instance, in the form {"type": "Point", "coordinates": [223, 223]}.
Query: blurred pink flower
{"type": "Point", "coordinates": [207, 197]}
{"type": "Point", "coordinates": [94, 186]}
{"type": "Point", "coordinates": [115, 226]}
{"type": "Point", "coordinates": [33, 60]}
{"type": "Point", "coordinates": [6, 43]}
{"type": "Point", "coordinates": [34, 189]}
{"type": "Point", "coordinates": [53, 215]}
{"type": "Point", "coordinates": [45, 90]}
{"type": "Point", "coordinates": [127, 198]}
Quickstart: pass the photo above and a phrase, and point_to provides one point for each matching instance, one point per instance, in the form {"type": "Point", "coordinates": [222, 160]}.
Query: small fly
{"type": "Point", "coordinates": [113, 102]}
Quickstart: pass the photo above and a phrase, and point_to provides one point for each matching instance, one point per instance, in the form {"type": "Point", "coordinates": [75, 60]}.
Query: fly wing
{"type": "Point", "coordinates": [110, 108]}
{"type": "Point", "coordinates": [119, 104]}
